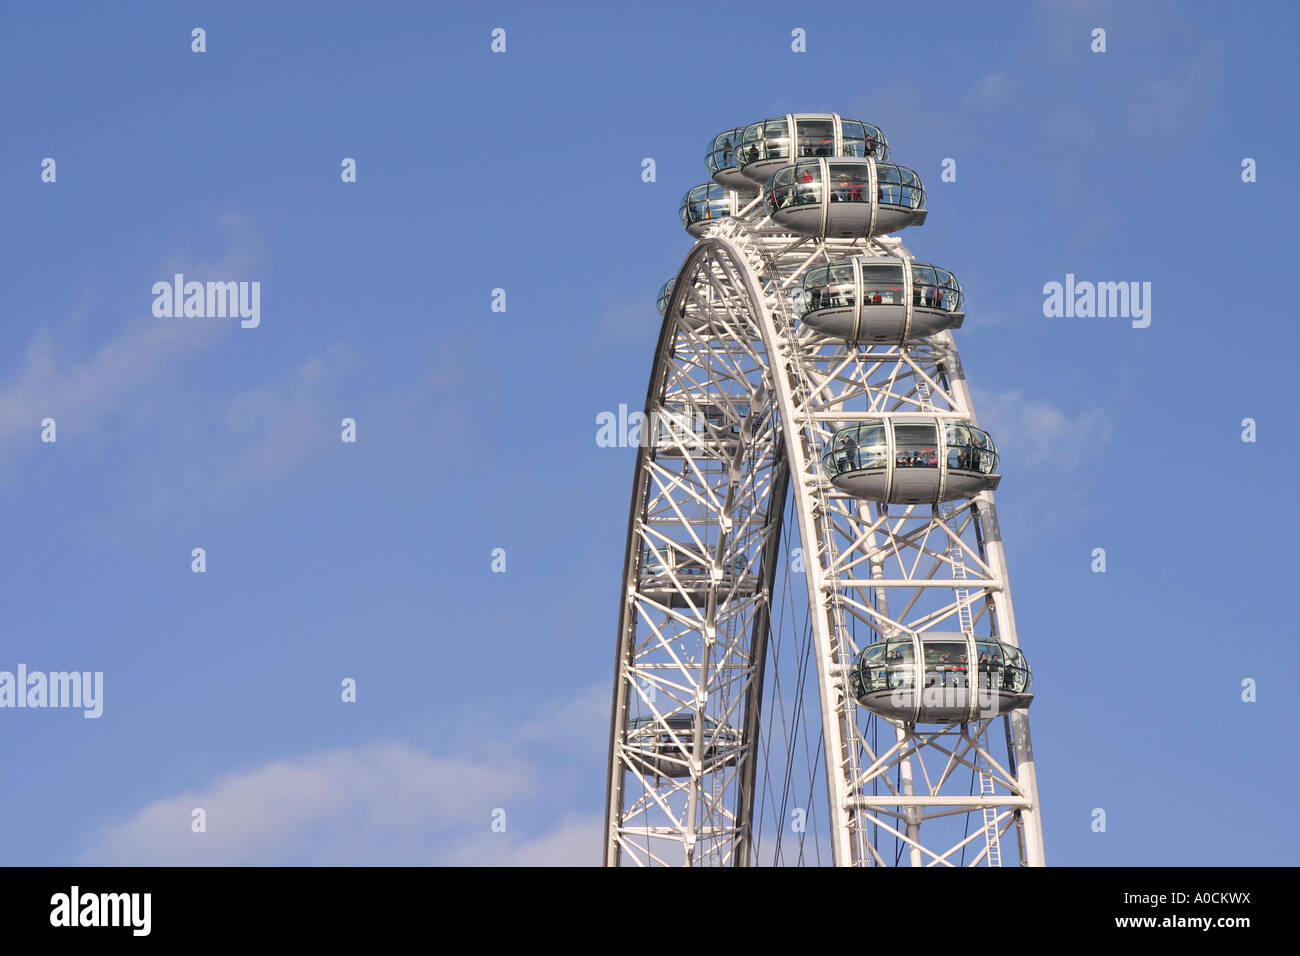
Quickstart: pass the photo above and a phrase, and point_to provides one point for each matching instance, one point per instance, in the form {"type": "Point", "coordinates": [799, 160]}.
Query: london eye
{"type": "Point", "coordinates": [817, 657]}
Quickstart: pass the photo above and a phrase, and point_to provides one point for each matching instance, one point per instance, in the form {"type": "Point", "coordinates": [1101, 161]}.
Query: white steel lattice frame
{"type": "Point", "coordinates": [873, 571]}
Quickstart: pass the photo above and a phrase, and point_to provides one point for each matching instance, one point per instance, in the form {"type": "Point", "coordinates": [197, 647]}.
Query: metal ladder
{"type": "Point", "coordinates": [990, 813]}
{"type": "Point", "coordinates": [966, 621]}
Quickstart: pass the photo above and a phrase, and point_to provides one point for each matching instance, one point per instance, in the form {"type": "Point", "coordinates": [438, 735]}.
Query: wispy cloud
{"type": "Point", "coordinates": [993, 89]}
{"type": "Point", "coordinates": [1032, 433]}
{"type": "Point", "coordinates": [386, 803]}
{"type": "Point", "coordinates": [80, 389]}
{"type": "Point", "coordinates": [1171, 106]}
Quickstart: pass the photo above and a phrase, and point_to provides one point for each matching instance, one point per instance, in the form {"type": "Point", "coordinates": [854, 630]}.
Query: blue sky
{"type": "Point", "coordinates": [476, 429]}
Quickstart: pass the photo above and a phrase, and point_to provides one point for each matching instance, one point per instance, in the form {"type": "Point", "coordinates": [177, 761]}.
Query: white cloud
{"type": "Point", "coordinates": [1036, 434]}
{"type": "Point", "coordinates": [387, 803]}
{"type": "Point", "coordinates": [991, 90]}
{"type": "Point", "coordinates": [80, 390]}
{"type": "Point", "coordinates": [574, 841]}
{"type": "Point", "coordinates": [79, 393]}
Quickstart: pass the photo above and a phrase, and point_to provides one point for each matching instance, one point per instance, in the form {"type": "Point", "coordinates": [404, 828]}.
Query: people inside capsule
{"type": "Point", "coordinates": [767, 142]}
{"type": "Point", "coordinates": [832, 286]}
{"type": "Point", "coordinates": [863, 446]}
{"type": "Point", "coordinates": [888, 678]}
{"type": "Point", "coordinates": [903, 461]}
{"type": "Point", "coordinates": [867, 299]}
{"type": "Point", "coordinates": [834, 197]}
{"type": "Point", "coordinates": [724, 160]}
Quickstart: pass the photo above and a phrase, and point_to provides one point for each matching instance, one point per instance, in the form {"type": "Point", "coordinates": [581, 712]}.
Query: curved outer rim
{"type": "Point", "coordinates": [776, 514]}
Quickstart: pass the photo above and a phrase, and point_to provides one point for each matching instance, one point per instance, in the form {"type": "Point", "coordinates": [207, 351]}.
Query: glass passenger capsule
{"type": "Point", "coordinates": [913, 460]}
{"type": "Point", "coordinates": [665, 745]}
{"type": "Point", "coordinates": [675, 574]}
{"type": "Point", "coordinates": [724, 161]}
{"type": "Point", "coordinates": [686, 427]}
{"type": "Point", "coordinates": [704, 204]}
{"type": "Point", "coordinates": [845, 198]}
{"type": "Point", "coordinates": [665, 294]}
{"type": "Point", "coordinates": [768, 145]}
{"type": "Point", "coordinates": [937, 678]}
{"type": "Point", "coordinates": [866, 299]}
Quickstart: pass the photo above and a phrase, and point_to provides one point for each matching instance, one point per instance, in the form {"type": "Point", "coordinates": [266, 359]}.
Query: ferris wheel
{"type": "Point", "coordinates": [817, 657]}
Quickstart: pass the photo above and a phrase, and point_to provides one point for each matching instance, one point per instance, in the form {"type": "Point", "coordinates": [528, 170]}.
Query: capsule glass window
{"type": "Point", "coordinates": [882, 284]}
{"type": "Point", "coordinates": [776, 138]}
{"type": "Point", "coordinates": [706, 201]}
{"type": "Point", "coordinates": [723, 154]}
{"type": "Point", "coordinates": [915, 446]}
{"type": "Point", "coordinates": [816, 137]}
{"type": "Point", "coordinates": [850, 182]}
{"type": "Point", "coordinates": [899, 187]}
{"type": "Point", "coordinates": [862, 139]}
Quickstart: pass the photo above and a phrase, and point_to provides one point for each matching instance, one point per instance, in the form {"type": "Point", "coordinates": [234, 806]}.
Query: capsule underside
{"type": "Point", "coordinates": [913, 485]}
{"type": "Point", "coordinates": [847, 220]}
{"type": "Point", "coordinates": [882, 323]}
{"type": "Point", "coordinates": [940, 704]}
